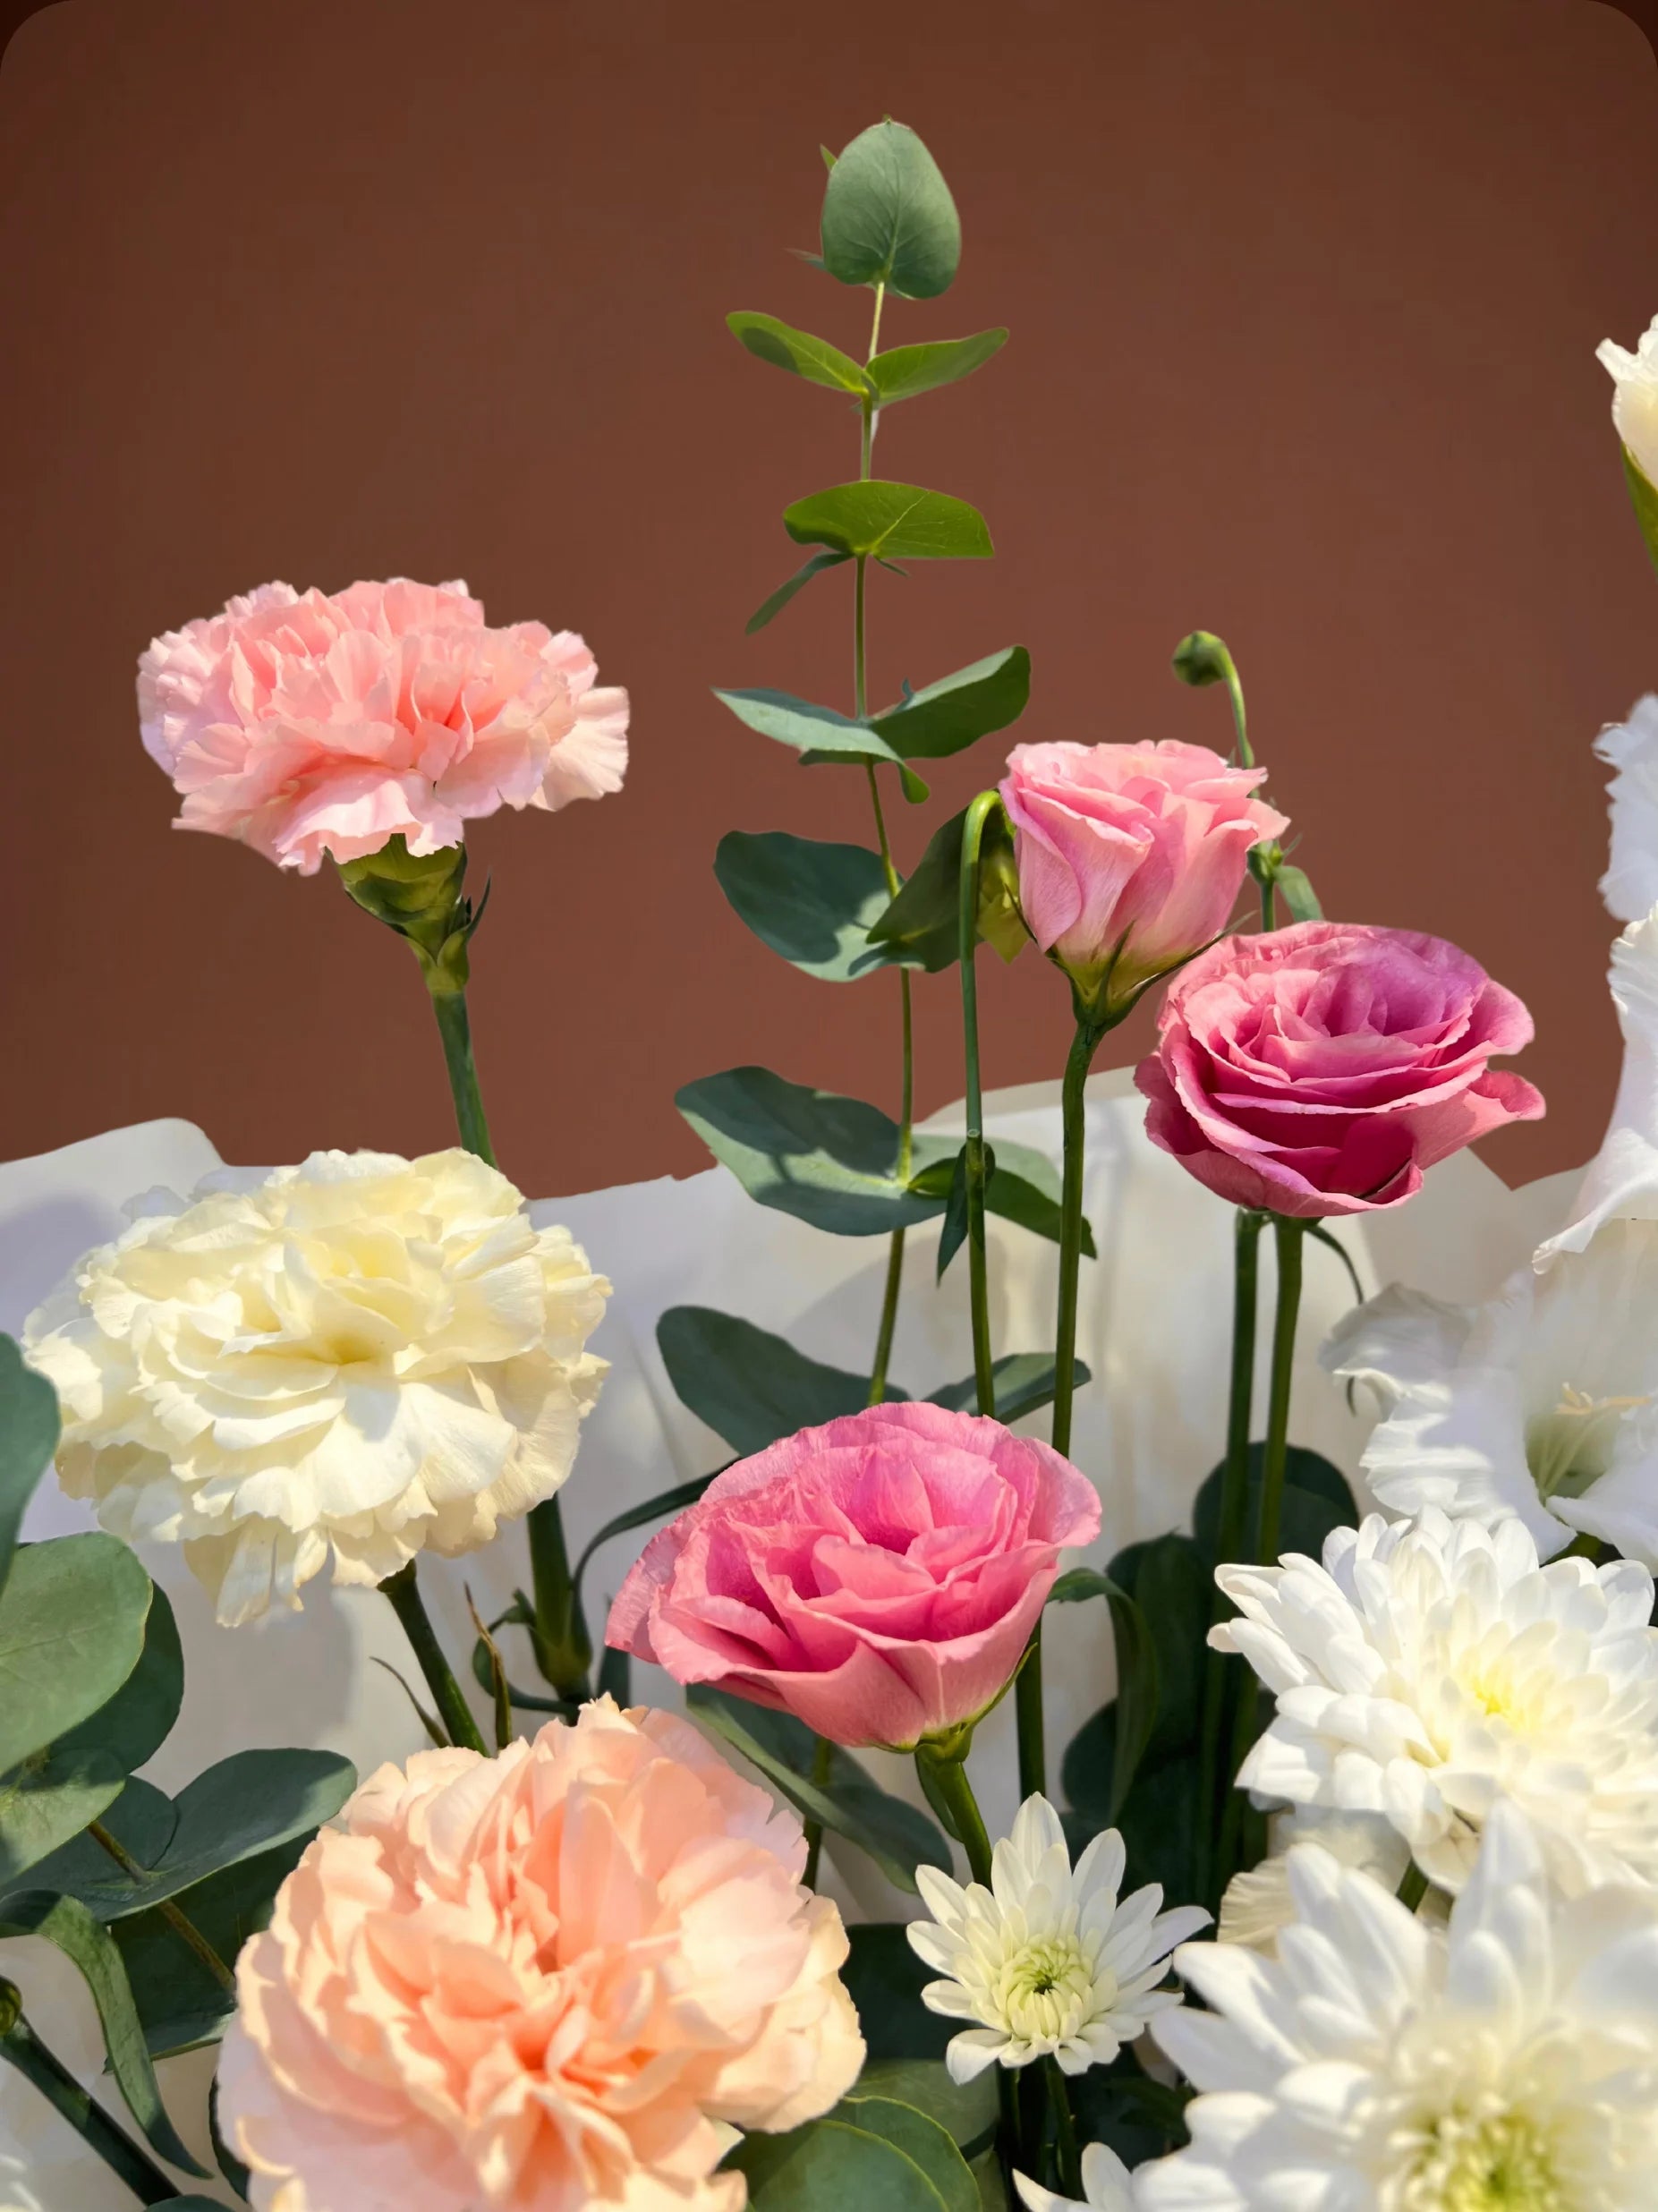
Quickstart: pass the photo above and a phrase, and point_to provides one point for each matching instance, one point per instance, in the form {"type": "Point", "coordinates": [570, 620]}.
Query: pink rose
{"type": "Point", "coordinates": [1130, 857]}
{"type": "Point", "coordinates": [1319, 1069]}
{"type": "Point", "coordinates": [878, 1578]}
{"type": "Point", "coordinates": [539, 1981]}
{"type": "Point", "coordinates": [333, 722]}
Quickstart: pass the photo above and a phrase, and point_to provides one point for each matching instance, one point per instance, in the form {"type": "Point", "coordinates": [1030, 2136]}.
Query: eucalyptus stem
{"type": "Point", "coordinates": [181, 1924]}
{"type": "Point", "coordinates": [21, 2048]}
{"type": "Point", "coordinates": [978, 1266]}
{"type": "Point", "coordinates": [1288, 1236]}
{"type": "Point", "coordinates": [453, 1710]}
{"type": "Point", "coordinates": [1233, 1517]}
{"type": "Point", "coordinates": [449, 1006]}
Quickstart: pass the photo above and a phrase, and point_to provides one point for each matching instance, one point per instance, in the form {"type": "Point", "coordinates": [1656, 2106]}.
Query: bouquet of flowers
{"type": "Point", "coordinates": [1345, 1900]}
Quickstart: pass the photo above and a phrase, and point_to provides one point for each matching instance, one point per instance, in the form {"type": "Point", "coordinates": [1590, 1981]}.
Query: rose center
{"type": "Point", "coordinates": [1484, 2161]}
{"type": "Point", "coordinates": [1047, 1990]}
{"type": "Point", "coordinates": [1569, 1447]}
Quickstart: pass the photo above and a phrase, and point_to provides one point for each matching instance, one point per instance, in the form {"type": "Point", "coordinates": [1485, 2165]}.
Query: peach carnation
{"type": "Point", "coordinates": [331, 722]}
{"type": "Point", "coordinates": [542, 1981]}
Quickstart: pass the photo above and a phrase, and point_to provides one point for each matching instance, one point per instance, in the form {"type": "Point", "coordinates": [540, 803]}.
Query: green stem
{"type": "Point", "coordinates": [182, 1925]}
{"type": "Point", "coordinates": [949, 1778]}
{"type": "Point", "coordinates": [1235, 692]}
{"type": "Point", "coordinates": [452, 1709]}
{"type": "Point", "coordinates": [978, 1264]}
{"type": "Point", "coordinates": [1413, 1888]}
{"type": "Point", "coordinates": [1233, 1517]}
{"type": "Point", "coordinates": [21, 2047]}
{"type": "Point", "coordinates": [1084, 1046]}
{"type": "Point", "coordinates": [822, 1753]}
{"type": "Point", "coordinates": [1269, 917]}
{"type": "Point", "coordinates": [1065, 2128]}
{"type": "Point", "coordinates": [1288, 1236]}
{"type": "Point", "coordinates": [455, 1031]}
{"type": "Point", "coordinates": [563, 1648]}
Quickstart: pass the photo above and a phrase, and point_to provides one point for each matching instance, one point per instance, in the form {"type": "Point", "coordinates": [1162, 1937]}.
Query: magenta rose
{"type": "Point", "coordinates": [1319, 1069]}
{"type": "Point", "coordinates": [1130, 857]}
{"type": "Point", "coordinates": [878, 1578]}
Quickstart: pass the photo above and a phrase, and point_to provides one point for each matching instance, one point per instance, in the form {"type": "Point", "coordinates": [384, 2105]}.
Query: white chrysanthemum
{"type": "Point", "coordinates": [1430, 1667]}
{"type": "Point", "coordinates": [1508, 2064]}
{"type": "Point", "coordinates": [1635, 400]}
{"type": "Point", "coordinates": [363, 1355]}
{"type": "Point", "coordinates": [1257, 1904]}
{"type": "Point", "coordinates": [1106, 2186]}
{"type": "Point", "coordinates": [1630, 885]}
{"type": "Point", "coordinates": [1046, 1960]}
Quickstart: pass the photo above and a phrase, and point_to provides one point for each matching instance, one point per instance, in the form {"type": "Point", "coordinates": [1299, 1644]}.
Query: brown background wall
{"type": "Point", "coordinates": [1304, 295]}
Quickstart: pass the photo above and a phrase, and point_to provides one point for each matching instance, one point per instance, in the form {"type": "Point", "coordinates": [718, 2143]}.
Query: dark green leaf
{"type": "Point", "coordinates": [183, 2004]}
{"type": "Point", "coordinates": [958, 710]}
{"type": "Point", "coordinates": [920, 2135]}
{"type": "Point", "coordinates": [924, 922]}
{"type": "Point", "coordinates": [908, 370]}
{"type": "Point", "coordinates": [232, 2168]}
{"type": "Point", "coordinates": [829, 1160]}
{"type": "Point", "coordinates": [968, 2109]}
{"type": "Point", "coordinates": [48, 1801]}
{"type": "Point", "coordinates": [616, 1676]}
{"type": "Point", "coordinates": [812, 903]}
{"type": "Point", "coordinates": [884, 1980]}
{"type": "Point", "coordinates": [953, 1229]}
{"type": "Point", "coordinates": [1025, 1187]}
{"type": "Point", "coordinates": [1298, 895]}
{"type": "Point", "coordinates": [818, 734]}
{"type": "Point", "coordinates": [769, 608]}
{"type": "Point", "coordinates": [72, 1627]}
{"type": "Point", "coordinates": [1170, 1580]}
{"type": "Point", "coordinates": [1316, 1499]}
{"type": "Point", "coordinates": [887, 215]}
{"type": "Point", "coordinates": [896, 1836]}
{"type": "Point", "coordinates": [748, 1386]}
{"type": "Point", "coordinates": [891, 521]}
{"type": "Point", "coordinates": [801, 354]}
{"type": "Point", "coordinates": [28, 1438]}
{"type": "Point", "coordinates": [135, 1724]}
{"type": "Point", "coordinates": [65, 1922]}
{"type": "Point", "coordinates": [1023, 1384]}
{"type": "Point", "coordinates": [1120, 2105]}
{"type": "Point", "coordinates": [1137, 1685]}
{"type": "Point", "coordinates": [829, 2163]}
{"type": "Point", "coordinates": [141, 1820]}
{"type": "Point", "coordinates": [1159, 1819]}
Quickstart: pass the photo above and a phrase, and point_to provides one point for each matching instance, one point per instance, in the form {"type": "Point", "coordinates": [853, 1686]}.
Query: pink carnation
{"type": "Point", "coordinates": [878, 1578]}
{"type": "Point", "coordinates": [330, 723]}
{"type": "Point", "coordinates": [539, 1981]}
{"type": "Point", "coordinates": [1319, 1069]}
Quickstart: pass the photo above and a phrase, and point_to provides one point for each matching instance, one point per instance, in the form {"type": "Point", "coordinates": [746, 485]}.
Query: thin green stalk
{"type": "Point", "coordinates": [1234, 1516]}
{"type": "Point", "coordinates": [1288, 1236]}
{"type": "Point", "coordinates": [452, 1709]}
{"type": "Point", "coordinates": [455, 1031]}
{"type": "Point", "coordinates": [822, 1753]}
{"type": "Point", "coordinates": [1269, 916]}
{"type": "Point", "coordinates": [1070, 2176]}
{"type": "Point", "coordinates": [21, 2047]}
{"type": "Point", "coordinates": [949, 1779]}
{"type": "Point", "coordinates": [978, 1266]}
{"type": "Point", "coordinates": [182, 1925]}
{"type": "Point", "coordinates": [563, 1648]}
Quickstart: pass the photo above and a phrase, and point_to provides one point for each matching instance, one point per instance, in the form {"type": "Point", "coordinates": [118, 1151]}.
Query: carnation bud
{"type": "Point", "coordinates": [418, 895]}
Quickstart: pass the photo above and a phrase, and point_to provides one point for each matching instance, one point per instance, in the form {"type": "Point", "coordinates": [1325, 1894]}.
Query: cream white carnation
{"type": "Point", "coordinates": [362, 1356]}
{"type": "Point", "coordinates": [1431, 1667]}
{"type": "Point", "coordinates": [1508, 2064]}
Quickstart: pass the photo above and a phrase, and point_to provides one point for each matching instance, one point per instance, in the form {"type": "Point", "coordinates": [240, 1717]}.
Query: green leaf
{"type": "Point", "coordinates": [1316, 1499]}
{"type": "Point", "coordinates": [1644, 500]}
{"type": "Point", "coordinates": [770, 608]}
{"type": "Point", "coordinates": [181, 2003]}
{"type": "Point", "coordinates": [829, 1160]}
{"type": "Point", "coordinates": [968, 2109]}
{"type": "Point", "coordinates": [1297, 894]}
{"type": "Point", "coordinates": [1023, 1384]}
{"type": "Point", "coordinates": [65, 1922]}
{"type": "Point", "coordinates": [851, 1802]}
{"type": "Point", "coordinates": [141, 1819]}
{"type": "Point", "coordinates": [662, 1507]}
{"type": "Point", "coordinates": [908, 370]}
{"type": "Point", "coordinates": [884, 1980]}
{"type": "Point", "coordinates": [1170, 1581]}
{"type": "Point", "coordinates": [953, 1228]}
{"type": "Point", "coordinates": [1120, 2105]}
{"type": "Point", "coordinates": [48, 1801]}
{"type": "Point", "coordinates": [72, 1627]}
{"type": "Point", "coordinates": [958, 710]}
{"type": "Point", "coordinates": [748, 1386]}
{"type": "Point", "coordinates": [877, 520]}
{"type": "Point", "coordinates": [28, 1430]}
{"type": "Point", "coordinates": [1159, 1819]}
{"type": "Point", "coordinates": [135, 1724]}
{"type": "Point", "coordinates": [924, 922]}
{"type": "Point", "coordinates": [830, 2162]}
{"type": "Point", "coordinates": [1023, 1187]}
{"type": "Point", "coordinates": [920, 2136]}
{"type": "Point", "coordinates": [818, 734]}
{"type": "Point", "coordinates": [616, 1676]}
{"type": "Point", "coordinates": [887, 215]}
{"type": "Point", "coordinates": [799, 352]}
{"type": "Point", "coordinates": [1137, 1684]}
{"type": "Point", "coordinates": [812, 903]}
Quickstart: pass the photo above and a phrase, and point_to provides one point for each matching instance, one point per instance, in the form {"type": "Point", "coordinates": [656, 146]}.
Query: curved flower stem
{"type": "Point", "coordinates": [822, 1753]}
{"type": "Point", "coordinates": [449, 1006]}
{"type": "Point", "coordinates": [453, 1710]}
{"type": "Point", "coordinates": [1234, 1516]}
{"type": "Point", "coordinates": [181, 1924]}
{"type": "Point", "coordinates": [948, 1777]}
{"type": "Point", "coordinates": [1287, 1237]}
{"type": "Point", "coordinates": [1070, 2175]}
{"type": "Point", "coordinates": [978, 1270]}
{"type": "Point", "coordinates": [21, 2047]}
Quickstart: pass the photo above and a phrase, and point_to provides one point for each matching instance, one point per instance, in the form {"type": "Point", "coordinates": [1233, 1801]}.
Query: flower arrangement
{"type": "Point", "coordinates": [579, 1952]}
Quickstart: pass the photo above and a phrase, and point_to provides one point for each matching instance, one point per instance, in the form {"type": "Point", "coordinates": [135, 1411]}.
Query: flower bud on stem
{"type": "Point", "coordinates": [21, 2047]}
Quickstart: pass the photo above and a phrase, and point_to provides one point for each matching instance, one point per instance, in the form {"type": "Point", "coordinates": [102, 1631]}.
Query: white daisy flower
{"type": "Point", "coordinates": [1430, 1667]}
{"type": "Point", "coordinates": [1046, 1960]}
{"type": "Point", "coordinates": [1508, 2063]}
{"type": "Point", "coordinates": [1106, 2186]}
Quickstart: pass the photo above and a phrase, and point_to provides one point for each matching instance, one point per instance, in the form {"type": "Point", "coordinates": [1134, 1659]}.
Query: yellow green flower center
{"type": "Point", "coordinates": [1484, 2162]}
{"type": "Point", "coordinates": [1569, 1447]}
{"type": "Point", "coordinates": [1045, 1992]}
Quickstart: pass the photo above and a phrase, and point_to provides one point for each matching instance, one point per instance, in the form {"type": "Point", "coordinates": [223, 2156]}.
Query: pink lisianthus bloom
{"type": "Point", "coordinates": [538, 1983]}
{"type": "Point", "coordinates": [878, 1578]}
{"type": "Point", "coordinates": [1319, 1069]}
{"type": "Point", "coordinates": [1130, 857]}
{"type": "Point", "coordinates": [331, 722]}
